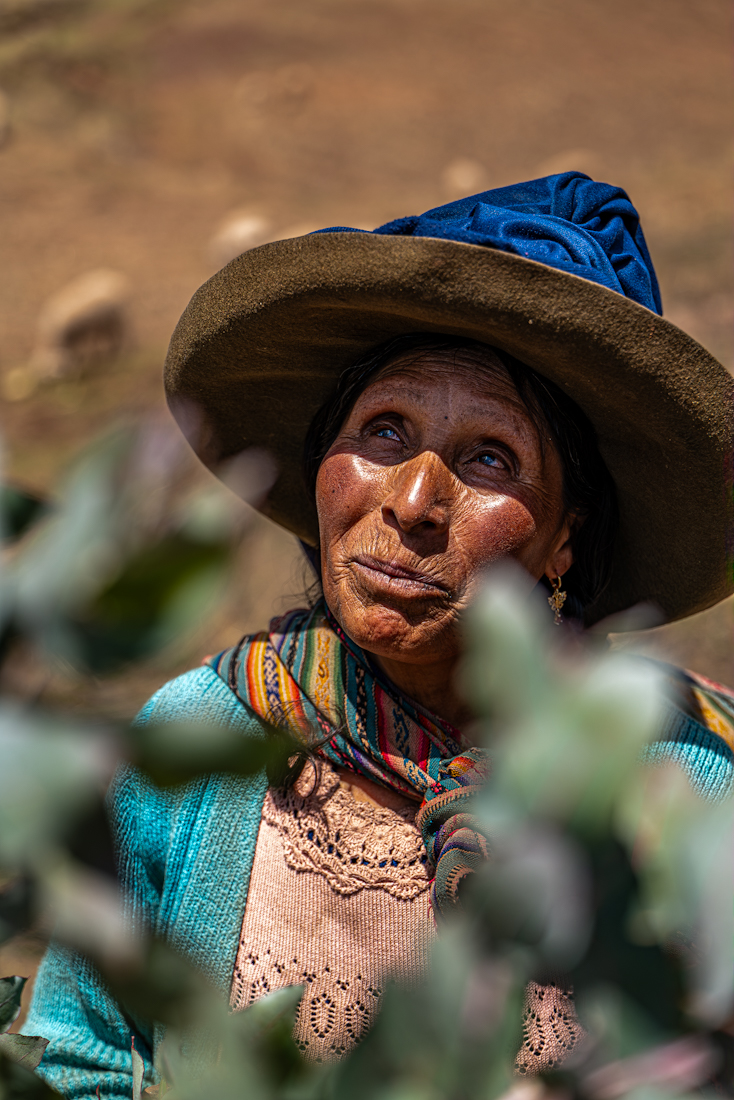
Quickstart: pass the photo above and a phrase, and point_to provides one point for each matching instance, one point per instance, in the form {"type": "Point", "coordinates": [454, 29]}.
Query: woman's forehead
{"type": "Point", "coordinates": [462, 373]}
{"type": "Point", "coordinates": [452, 360]}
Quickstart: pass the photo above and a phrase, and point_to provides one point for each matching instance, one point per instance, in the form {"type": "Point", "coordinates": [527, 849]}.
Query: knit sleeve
{"type": "Point", "coordinates": [90, 1035]}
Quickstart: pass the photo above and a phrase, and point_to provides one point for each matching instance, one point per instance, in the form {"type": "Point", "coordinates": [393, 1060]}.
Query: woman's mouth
{"type": "Point", "coordinates": [398, 578]}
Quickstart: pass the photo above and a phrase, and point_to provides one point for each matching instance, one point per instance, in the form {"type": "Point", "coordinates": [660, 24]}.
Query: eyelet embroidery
{"type": "Point", "coordinates": [551, 1028]}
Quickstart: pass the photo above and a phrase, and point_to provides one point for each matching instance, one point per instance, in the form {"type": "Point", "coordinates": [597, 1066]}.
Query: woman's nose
{"type": "Point", "coordinates": [420, 494]}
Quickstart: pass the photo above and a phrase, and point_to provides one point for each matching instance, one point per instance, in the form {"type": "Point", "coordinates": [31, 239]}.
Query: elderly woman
{"type": "Point", "coordinates": [492, 379]}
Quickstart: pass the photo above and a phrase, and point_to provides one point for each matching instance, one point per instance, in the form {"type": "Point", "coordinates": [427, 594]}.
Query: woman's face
{"type": "Point", "coordinates": [437, 472]}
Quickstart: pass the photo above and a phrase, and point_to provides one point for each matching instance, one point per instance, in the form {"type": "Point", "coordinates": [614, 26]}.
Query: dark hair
{"type": "Point", "coordinates": [588, 489]}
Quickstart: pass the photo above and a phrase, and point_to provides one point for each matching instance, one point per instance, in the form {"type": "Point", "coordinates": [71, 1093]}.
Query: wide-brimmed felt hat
{"type": "Point", "coordinates": [554, 271]}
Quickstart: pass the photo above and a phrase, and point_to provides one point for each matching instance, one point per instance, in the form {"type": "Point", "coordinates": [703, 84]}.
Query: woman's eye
{"type": "Point", "coordinates": [388, 433]}
{"type": "Point", "coordinates": [491, 460]}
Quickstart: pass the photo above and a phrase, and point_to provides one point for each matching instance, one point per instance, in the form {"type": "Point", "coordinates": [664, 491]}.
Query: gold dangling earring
{"type": "Point", "coordinates": [557, 600]}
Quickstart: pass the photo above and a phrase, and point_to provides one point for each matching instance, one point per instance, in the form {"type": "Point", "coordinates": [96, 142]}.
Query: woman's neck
{"type": "Point", "coordinates": [430, 685]}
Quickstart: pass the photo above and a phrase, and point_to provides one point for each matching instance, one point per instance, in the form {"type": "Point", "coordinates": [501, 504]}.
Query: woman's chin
{"type": "Point", "coordinates": [407, 635]}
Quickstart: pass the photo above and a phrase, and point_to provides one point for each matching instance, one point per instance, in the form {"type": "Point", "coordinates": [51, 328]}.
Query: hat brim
{"type": "Point", "coordinates": [261, 344]}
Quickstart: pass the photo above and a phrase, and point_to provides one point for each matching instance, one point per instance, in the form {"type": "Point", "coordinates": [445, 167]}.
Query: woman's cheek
{"type": "Point", "coordinates": [495, 528]}
{"type": "Point", "coordinates": [345, 492]}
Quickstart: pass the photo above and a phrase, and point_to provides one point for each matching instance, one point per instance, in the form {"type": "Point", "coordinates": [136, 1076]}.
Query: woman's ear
{"type": "Point", "coordinates": [561, 557]}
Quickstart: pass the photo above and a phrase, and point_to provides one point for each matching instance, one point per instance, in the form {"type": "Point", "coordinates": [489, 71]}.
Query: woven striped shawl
{"type": "Point", "coordinates": [305, 675]}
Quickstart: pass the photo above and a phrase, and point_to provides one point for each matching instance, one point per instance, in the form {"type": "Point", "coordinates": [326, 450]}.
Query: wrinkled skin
{"type": "Point", "coordinates": [438, 472]}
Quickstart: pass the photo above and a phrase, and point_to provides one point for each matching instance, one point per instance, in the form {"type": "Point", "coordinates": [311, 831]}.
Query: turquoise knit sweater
{"type": "Point", "coordinates": [185, 859]}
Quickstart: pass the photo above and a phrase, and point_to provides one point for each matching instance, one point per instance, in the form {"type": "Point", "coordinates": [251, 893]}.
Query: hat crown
{"type": "Point", "coordinates": [567, 221]}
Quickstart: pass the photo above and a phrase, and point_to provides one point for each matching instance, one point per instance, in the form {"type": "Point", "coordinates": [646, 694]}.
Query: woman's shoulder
{"type": "Point", "coordinates": [698, 730]}
{"type": "Point", "coordinates": [199, 695]}
{"type": "Point", "coordinates": [707, 702]}
{"type": "Point", "coordinates": [154, 825]}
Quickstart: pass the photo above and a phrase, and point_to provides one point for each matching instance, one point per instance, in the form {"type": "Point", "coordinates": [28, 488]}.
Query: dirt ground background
{"type": "Point", "coordinates": [132, 128]}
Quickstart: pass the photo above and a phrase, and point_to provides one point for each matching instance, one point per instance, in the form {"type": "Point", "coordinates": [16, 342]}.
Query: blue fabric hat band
{"type": "Point", "coordinates": [567, 221]}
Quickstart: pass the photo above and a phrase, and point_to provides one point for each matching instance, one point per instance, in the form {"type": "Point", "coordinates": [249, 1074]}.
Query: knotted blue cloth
{"type": "Point", "coordinates": [567, 221]}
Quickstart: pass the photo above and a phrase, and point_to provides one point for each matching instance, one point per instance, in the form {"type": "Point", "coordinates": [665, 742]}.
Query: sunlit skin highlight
{"type": "Point", "coordinates": [438, 472]}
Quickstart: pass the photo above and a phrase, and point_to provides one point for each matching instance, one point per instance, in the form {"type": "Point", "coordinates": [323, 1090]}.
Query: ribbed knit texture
{"type": "Point", "coordinates": [705, 758]}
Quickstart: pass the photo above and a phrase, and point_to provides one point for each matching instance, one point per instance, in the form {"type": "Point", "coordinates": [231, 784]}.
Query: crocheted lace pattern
{"type": "Point", "coordinates": [353, 845]}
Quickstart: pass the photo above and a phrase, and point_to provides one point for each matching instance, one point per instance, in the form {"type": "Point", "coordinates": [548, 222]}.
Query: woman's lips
{"type": "Point", "coordinates": [399, 578]}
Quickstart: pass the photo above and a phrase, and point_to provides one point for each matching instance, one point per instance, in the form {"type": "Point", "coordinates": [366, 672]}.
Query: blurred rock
{"type": "Point", "coordinates": [282, 91]}
{"type": "Point", "coordinates": [463, 176]}
{"type": "Point", "coordinates": [17, 384]}
{"type": "Point", "coordinates": [238, 232]}
{"type": "Point", "coordinates": [82, 326]}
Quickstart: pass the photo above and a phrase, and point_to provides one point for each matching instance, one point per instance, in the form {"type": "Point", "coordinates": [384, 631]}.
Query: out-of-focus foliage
{"type": "Point", "coordinates": [10, 991]}
{"type": "Point", "coordinates": [19, 509]}
{"type": "Point", "coordinates": [605, 871]}
{"type": "Point", "coordinates": [173, 754]}
{"type": "Point", "coordinates": [19, 1054]}
{"type": "Point", "coordinates": [120, 566]}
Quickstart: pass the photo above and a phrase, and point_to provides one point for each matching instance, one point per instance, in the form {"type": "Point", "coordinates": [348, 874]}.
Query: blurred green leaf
{"type": "Point", "coordinates": [219, 1050]}
{"type": "Point", "coordinates": [26, 1050]}
{"type": "Point", "coordinates": [270, 1012]}
{"type": "Point", "coordinates": [16, 906]}
{"type": "Point", "coordinates": [565, 728]}
{"type": "Point", "coordinates": [89, 913]}
{"type": "Point", "coordinates": [159, 592]}
{"type": "Point", "coordinates": [683, 852]}
{"type": "Point", "coordinates": [19, 510]}
{"type": "Point", "coordinates": [48, 774]}
{"type": "Point", "coordinates": [535, 891]}
{"type": "Point", "coordinates": [266, 1029]}
{"type": "Point", "coordinates": [173, 753]}
{"type": "Point", "coordinates": [11, 991]}
{"type": "Point", "coordinates": [621, 1028]}
{"type": "Point", "coordinates": [122, 567]}
{"type": "Point", "coordinates": [161, 985]}
{"type": "Point", "coordinates": [81, 545]}
{"type": "Point", "coordinates": [647, 978]}
{"type": "Point", "coordinates": [19, 1083]}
